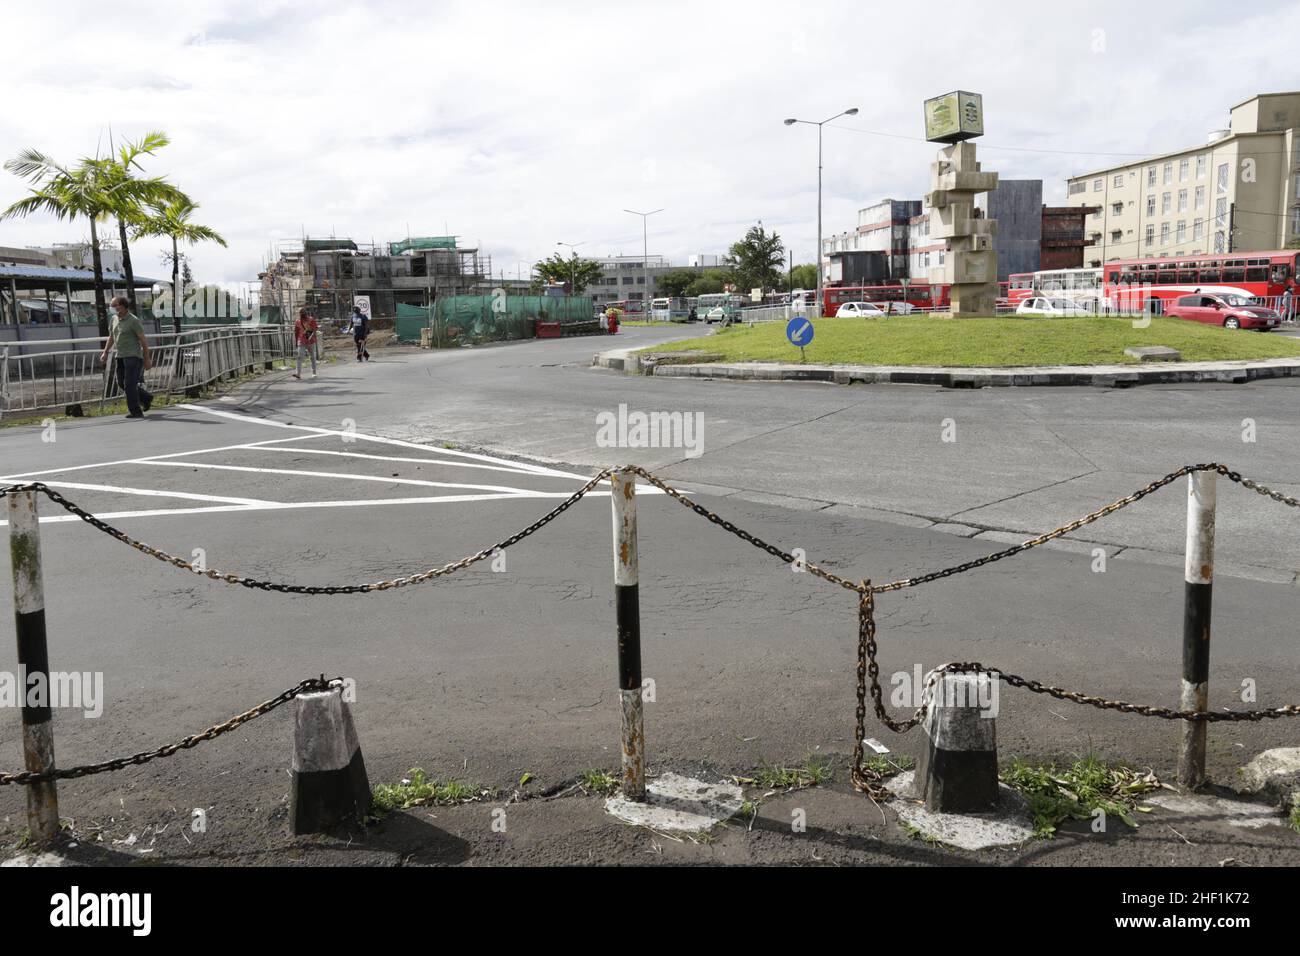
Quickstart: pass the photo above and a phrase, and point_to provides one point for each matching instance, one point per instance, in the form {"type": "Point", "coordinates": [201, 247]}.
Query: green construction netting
{"type": "Point", "coordinates": [421, 243]}
{"type": "Point", "coordinates": [462, 319]}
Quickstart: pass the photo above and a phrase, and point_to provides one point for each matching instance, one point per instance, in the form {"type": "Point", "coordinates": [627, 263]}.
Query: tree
{"type": "Point", "coordinates": [676, 283]}
{"type": "Point", "coordinates": [710, 282]}
{"type": "Point", "coordinates": [757, 259]}
{"type": "Point", "coordinates": [803, 276]}
{"type": "Point", "coordinates": [173, 220]}
{"type": "Point", "coordinates": [88, 190]}
{"type": "Point", "coordinates": [130, 213]}
{"type": "Point", "coordinates": [574, 272]}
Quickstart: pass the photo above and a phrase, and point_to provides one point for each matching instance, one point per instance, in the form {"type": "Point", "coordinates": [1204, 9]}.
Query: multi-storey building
{"type": "Point", "coordinates": [1239, 191]}
{"type": "Point", "coordinates": [636, 278]}
{"type": "Point", "coordinates": [882, 227]}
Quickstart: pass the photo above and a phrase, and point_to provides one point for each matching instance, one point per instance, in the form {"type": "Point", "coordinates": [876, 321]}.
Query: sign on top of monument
{"type": "Point", "coordinates": [954, 117]}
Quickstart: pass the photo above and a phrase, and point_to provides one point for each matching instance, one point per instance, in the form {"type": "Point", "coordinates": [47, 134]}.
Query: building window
{"type": "Point", "coordinates": [1200, 167]}
{"type": "Point", "coordinates": [1223, 178]}
{"type": "Point", "coordinates": [1181, 232]}
{"type": "Point", "coordinates": [1151, 205]}
{"type": "Point", "coordinates": [1295, 221]}
{"type": "Point", "coordinates": [1200, 197]}
{"type": "Point", "coordinates": [1151, 235]}
{"type": "Point", "coordinates": [1168, 174]}
{"type": "Point", "coordinates": [1117, 235]}
{"type": "Point", "coordinates": [941, 256]}
{"type": "Point", "coordinates": [1218, 242]}
{"type": "Point", "coordinates": [1164, 204]}
{"type": "Point", "coordinates": [1078, 187]}
{"type": "Point", "coordinates": [1151, 175]}
{"type": "Point", "coordinates": [627, 280]}
{"type": "Point", "coordinates": [1198, 229]}
{"type": "Point", "coordinates": [1182, 200]}
{"type": "Point", "coordinates": [1164, 234]}
{"type": "Point", "coordinates": [1097, 185]}
{"type": "Point", "coordinates": [1220, 213]}
{"type": "Point", "coordinates": [1118, 180]}
{"type": "Point", "coordinates": [1183, 167]}
{"type": "Point", "coordinates": [1116, 208]}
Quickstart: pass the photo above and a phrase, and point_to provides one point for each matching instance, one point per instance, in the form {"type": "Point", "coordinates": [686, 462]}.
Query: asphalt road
{"type": "Point", "coordinates": [489, 673]}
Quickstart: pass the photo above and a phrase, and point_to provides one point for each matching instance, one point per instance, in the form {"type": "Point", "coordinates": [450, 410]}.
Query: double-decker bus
{"type": "Point", "coordinates": [1062, 283]}
{"type": "Point", "coordinates": [932, 298]}
{"type": "Point", "coordinates": [1148, 284]}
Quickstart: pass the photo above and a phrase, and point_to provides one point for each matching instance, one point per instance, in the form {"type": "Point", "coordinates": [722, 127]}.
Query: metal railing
{"type": "Point", "coordinates": [59, 373]}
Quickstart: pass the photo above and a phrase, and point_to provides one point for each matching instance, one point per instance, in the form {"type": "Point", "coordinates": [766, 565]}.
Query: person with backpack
{"type": "Point", "coordinates": [360, 332]}
{"type": "Point", "coordinates": [305, 330]}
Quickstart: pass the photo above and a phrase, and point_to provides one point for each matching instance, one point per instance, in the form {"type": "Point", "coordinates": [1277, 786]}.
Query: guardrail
{"type": "Point", "coordinates": [57, 373]}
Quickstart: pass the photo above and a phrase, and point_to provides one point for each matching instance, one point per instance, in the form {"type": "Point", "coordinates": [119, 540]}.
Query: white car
{"type": "Point", "coordinates": [863, 309]}
{"type": "Point", "coordinates": [1043, 305]}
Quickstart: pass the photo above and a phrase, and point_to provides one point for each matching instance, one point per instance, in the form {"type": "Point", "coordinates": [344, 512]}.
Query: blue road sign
{"type": "Point", "coordinates": [799, 331]}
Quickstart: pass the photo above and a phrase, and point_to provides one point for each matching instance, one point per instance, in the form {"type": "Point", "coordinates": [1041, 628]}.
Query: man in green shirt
{"type": "Point", "coordinates": [127, 334]}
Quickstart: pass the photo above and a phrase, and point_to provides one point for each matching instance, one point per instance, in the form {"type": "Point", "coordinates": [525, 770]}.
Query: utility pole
{"type": "Point", "coordinates": [645, 257]}
{"type": "Point", "coordinates": [791, 122]}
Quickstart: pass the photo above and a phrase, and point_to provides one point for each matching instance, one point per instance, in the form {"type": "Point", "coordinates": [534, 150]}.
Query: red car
{"type": "Point", "coordinates": [1232, 311]}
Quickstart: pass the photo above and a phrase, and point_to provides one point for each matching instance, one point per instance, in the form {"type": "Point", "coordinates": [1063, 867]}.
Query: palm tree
{"type": "Point", "coordinates": [130, 213]}
{"type": "Point", "coordinates": [173, 220]}
{"type": "Point", "coordinates": [88, 190]}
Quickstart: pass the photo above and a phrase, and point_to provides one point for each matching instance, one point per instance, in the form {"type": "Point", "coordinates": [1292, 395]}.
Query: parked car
{"type": "Point", "coordinates": [1051, 306]}
{"type": "Point", "coordinates": [1228, 310]}
{"type": "Point", "coordinates": [862, 309]}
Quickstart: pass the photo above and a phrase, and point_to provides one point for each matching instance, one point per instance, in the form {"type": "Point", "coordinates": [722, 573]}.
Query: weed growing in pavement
{"type": "Point", "coordinates": [1076, 792]}
{"type": "Point", "coordinates": [888, 766]}
{"type": "Point", "coordinates": [816, 769]}
{"type": "Point", "coordinates": [419, 790]}
{"type": "Point", "coordinates": [1295, 816]}
{"type": "Point", "coordinates": [597, 781]}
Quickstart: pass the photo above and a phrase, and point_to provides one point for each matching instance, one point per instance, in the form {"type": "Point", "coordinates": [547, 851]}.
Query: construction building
{"type": "Point", "coordinates": [326, 275]}
{"type": "Point", "coordinates": [1237, 192]}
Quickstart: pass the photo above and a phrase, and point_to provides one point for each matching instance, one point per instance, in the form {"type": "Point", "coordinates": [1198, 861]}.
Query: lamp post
{"type": "Point", "coordinates": [645, 257]}
{"type": "Point", "coordinates": [791, 122]}
{"type": "Point", "coordinates": [573, 263]}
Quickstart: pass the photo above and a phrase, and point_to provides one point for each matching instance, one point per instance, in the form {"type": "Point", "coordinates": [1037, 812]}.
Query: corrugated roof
{"type": "Point", "coordinates": [52, 273]}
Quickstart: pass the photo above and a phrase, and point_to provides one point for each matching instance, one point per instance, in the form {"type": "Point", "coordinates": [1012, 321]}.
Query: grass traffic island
{"type": "Point", "coordinates": [986, 342]}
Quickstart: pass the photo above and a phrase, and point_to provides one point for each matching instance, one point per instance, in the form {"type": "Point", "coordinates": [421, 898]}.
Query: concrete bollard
{"type": "Point", "coordinates": [958, 770]}
{"type": "Point", "coordinates": [33, 661]}
{"type": "Point", "coordinates": [330, 785]}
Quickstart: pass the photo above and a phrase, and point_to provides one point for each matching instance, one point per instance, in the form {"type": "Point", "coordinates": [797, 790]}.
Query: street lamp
{"type": "Point", "coordinates": [791, 122]}
{"type": "Point", "coordinates": [573, 263]}
{"type": "Point", "coordinates": [645, 256]}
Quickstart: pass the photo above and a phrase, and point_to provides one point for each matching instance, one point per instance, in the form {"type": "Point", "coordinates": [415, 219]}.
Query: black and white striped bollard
{"type": "Point", "coordinates": [1199, 577]}
{"type": "Point", "coordinates": [329, 786]}
{"type": "Point", "coordinates": [33, 660]}
{"type": "Point", "coordinates": [958, 770]}
{"type": "Point", "coordinates": [628, 609]}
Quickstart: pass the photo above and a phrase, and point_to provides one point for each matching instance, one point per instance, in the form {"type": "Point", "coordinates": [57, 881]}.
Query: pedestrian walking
{"type": "Point", "coordinates": [126, 335]}
{"type": "Point", "coordinates": [1286, 305]}
{"type": "Point", "coordinates": [305, 330]}
{"type": "Point", "coordinates": [360, 332]}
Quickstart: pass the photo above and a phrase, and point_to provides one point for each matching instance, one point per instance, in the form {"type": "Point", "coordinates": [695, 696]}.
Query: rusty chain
{"type": "Point", "coordinates": [216, 730]}
{"type": "Point", "coordinates": [867, 666]}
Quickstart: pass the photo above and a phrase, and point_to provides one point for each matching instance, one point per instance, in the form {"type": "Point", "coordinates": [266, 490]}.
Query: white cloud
{"type": "Point", "coordinates": [519, 124]}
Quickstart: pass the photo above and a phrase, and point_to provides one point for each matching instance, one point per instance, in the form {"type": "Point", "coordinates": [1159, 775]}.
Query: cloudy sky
{"type": "Point", "coordinates": [516, 125]}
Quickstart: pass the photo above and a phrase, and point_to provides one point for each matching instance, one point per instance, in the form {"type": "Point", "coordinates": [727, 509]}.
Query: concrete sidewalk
{"type": "Point", "coordinates": [1102, 376]}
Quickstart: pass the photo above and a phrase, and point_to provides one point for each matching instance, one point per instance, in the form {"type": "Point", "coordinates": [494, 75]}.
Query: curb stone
{"type": "Point", "coordinates": [1097, 376]}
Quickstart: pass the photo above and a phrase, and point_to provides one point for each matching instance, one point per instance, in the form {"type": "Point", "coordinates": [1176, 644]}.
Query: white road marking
{"type": "Point", "coordinates": [302, 505]}
{"type": "Point", "coordinates": [521, 492]}
{"type": "Point", "coordinates": [149, 492]}
{"type": "Point", "coordinates": [420, 461]}
{"type": "Point", "coordinates": [177, 454]}
{"type": "Point", "coordinates": [450, 452]}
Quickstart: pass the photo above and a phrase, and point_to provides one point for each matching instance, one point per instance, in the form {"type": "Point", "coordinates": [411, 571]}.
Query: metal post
{"type": "Point", "coordinates": [820, 291]}
{"type": "Point", "coordinates": [627, 604]}
{"type": "Point", "coordinates": [33, 662]}
{"type": "Point", "coordinates": [1199, 575]}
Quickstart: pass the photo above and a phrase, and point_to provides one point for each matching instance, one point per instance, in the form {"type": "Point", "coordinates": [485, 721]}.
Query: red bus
{"type": "Point", "coordinates": [921, 296]}
{"type": "Point", "coordinates": [1262, 275]}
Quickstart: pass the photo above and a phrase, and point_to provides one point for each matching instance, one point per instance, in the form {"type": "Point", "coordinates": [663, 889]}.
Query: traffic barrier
{"type": "Point", "coordinates": [1198, 572]}
{"type": "Point", "coordinates": [1201, 478]}
{"type": "Point", "coordinates": [958, 769]}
